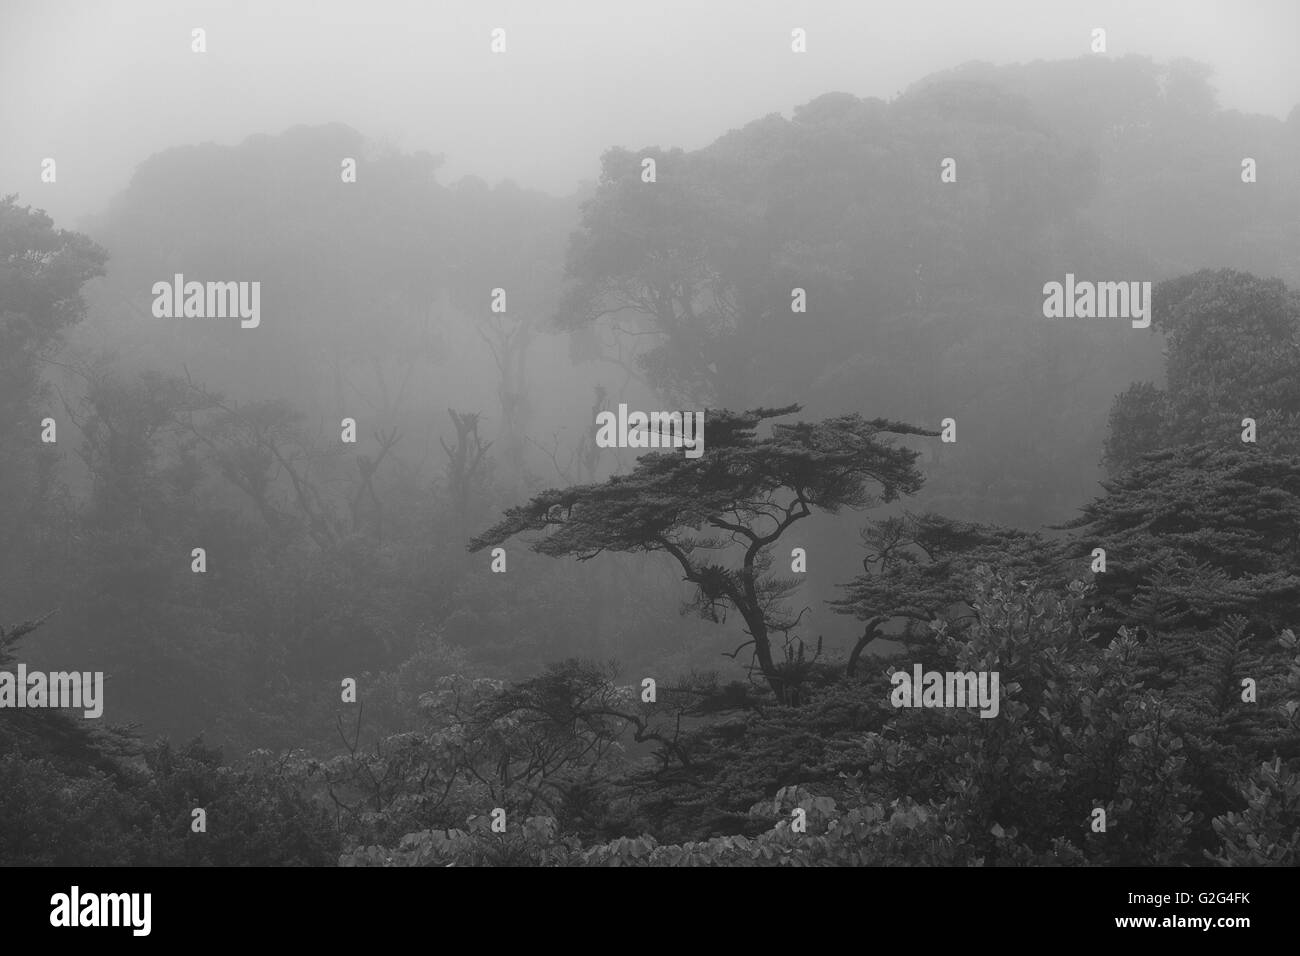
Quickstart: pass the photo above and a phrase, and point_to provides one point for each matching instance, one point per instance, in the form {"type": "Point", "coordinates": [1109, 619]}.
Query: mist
{"type": "Point", "coordinates": [603, 433]}
{"type": "Point", "coordinates": [103, 85]}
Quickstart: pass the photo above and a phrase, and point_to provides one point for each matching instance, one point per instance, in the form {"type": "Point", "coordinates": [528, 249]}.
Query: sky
{"type": "Point", "coordinates": [100, 85]}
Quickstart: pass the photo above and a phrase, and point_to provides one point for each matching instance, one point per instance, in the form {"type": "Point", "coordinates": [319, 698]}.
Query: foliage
{"type": "Point", "coordinates": [1122, 690]}
{"type": "Point", "coordinates": [1224, 521]}
{"type": "Point", "coordinates": [921, 567]}
{"type": "Point", "coordinates": [1075, 733]}
{"type": "Point", "coordinates": [1233, 345]}
{"type": "Point", "coordinates": [1266, 831]}
{"type": "Point", "coordinates": [745, 492]}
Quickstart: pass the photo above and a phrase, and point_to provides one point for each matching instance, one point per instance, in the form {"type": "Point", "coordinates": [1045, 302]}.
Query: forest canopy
{"type": "Point", "coordinates": [369, 590]}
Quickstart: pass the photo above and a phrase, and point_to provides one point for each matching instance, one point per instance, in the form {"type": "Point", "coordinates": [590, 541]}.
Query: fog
{"type": "Point", "coordinates": [102, 85]}
{"type": "Point", "coordinates": [587, 410]}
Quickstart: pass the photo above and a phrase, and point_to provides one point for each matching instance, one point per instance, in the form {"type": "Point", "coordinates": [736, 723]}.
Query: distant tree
{"type": "Point", "coordinates": [1233, 352]}
{"type": "Point", "coordinates": [42, 271]}
{"type": "Point", "coordinates": [744, 492]}
{"type": "Point", "coordinates": [125, 425]}
{"type": "Point", "coordinates": [650, 255]}
{"type": "Point", "coordinates": [358, 267]}
{"type": "Point", "coordinates": [512, 239]}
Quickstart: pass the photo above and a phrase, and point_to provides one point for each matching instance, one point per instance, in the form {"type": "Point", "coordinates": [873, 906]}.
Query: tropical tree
{"type": "Point", "coordinates": [42, 271]}
{"type": "Point", "coordinates": [920, 569]}
{"type": "Point", "coordinates": [739, 496]}
{"type": "Point", "coordinates": [1232, 352]}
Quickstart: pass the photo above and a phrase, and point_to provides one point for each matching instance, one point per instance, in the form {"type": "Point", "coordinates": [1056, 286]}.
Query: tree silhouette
{"type": "Point", "coordinates": [740, 495]}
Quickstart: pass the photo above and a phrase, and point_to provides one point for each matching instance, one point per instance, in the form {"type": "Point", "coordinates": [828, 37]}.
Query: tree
{"type": "Point", "coordinates": [48, 733]}
{"type": "Point", "coordinates": [42, 270]}
{"type": "Point", "coordinates": [918, 567]}
{"type": "Point", "coordinates": [1233, 351]}
{"type": "Point", "coordinates": [650, 255]}
{"type": "Point", "coordinates": [512, 239]}
{"type": "Point", "coordinates": [1228, 521]}
{"type": "Point", "coordinates": [357, 267]}
{"type": "Point", "coordinates": [742, 493]}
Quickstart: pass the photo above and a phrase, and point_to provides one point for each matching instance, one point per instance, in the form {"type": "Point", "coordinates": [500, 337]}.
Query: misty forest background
{"type": "Point", "coordinates": [522, 690]}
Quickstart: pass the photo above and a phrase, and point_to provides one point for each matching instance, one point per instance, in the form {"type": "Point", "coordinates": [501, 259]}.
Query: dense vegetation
{"type": "Point", "coordinates": [1163, 690]}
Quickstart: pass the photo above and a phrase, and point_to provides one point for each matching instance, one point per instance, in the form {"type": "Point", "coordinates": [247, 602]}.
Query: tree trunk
{"type": "Point", "coordinates": [869, 634]}
{"type": "Point", "coordinates": [763, 651]}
